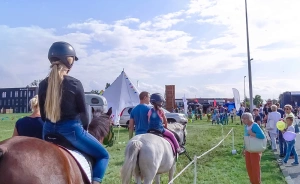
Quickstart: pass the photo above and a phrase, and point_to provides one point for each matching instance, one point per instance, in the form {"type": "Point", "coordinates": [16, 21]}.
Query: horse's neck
{"type": "Point", "coordinates": [100, 139]}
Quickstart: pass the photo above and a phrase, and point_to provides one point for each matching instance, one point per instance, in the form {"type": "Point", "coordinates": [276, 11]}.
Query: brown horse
{"type": "Point", "coordinates": [31, 160]}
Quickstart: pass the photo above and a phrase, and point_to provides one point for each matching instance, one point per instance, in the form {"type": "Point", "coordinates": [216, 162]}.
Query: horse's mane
{"type": "Point", "coordinates": [176, 126]}
{"type": "Point", "coordinates": [100, 124]}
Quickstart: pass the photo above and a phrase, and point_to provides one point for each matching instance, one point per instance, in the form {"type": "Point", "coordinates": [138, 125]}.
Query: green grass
{"type": "Point", "coordinates": [217, 167]}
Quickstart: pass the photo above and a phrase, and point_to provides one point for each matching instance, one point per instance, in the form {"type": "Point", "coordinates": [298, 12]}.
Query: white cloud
{"type": "Point", "coordinates": [155, 48]}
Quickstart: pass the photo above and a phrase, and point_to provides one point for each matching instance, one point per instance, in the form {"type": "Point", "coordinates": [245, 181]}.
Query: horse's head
{"type": "Point", "coordinates": [180, 130]}
{"type": "Point", "coordinates": [100, 124]}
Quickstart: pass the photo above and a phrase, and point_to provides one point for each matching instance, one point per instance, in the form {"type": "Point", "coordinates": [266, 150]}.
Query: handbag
{"type": "Point", "coordinates": [270, 124]}
{"type": "Point", "coordinates": [255, 145]}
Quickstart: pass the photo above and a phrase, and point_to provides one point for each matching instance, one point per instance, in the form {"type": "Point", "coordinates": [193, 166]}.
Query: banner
{"type": "Point", "coordinates": [185, 105]}
{"type": "Point", "coordinates": [237, 100]}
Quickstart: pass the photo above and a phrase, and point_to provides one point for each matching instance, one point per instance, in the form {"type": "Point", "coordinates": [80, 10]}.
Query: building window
{"type": "Point", "coordinates": [16, 94]}
{"type": "Point", "coordinates": [21, 101]}
{"type": "Point", "coordinates": [21, 109]}
{"type": "Point", "coordinates": [25, 93]}
{"type": "Point", "coordinates": [3, 94]}
{"type": "Point", "coordinates": [25, 109]}
{"type": "Point", "coordinates": [4, 103]}
{"type": "Point", "coordinates": [17, 102]}
{"type": "Point", "coordinates": [29, 93]}
{"type": "Point", "coordinates": [8, 102]}
{"type": "Point", "coordinates": [20, 93]}
{"type": "Point", "coordinates": [11, 94]}
{"type": "Point", "coordinates": [12, 102]}
{"type": "Point", "coordinates": [16, 109]}
{"type": "Point", "coordinates": [33, 93]}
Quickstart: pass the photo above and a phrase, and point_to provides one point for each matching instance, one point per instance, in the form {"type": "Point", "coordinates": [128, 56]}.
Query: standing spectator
{"type": "Point", "coordinates": [281, 141]}
{"type": "Point", "coordinates": [290, 144]}
{"type": "Point", "coordinates": [252, 159]}
{"type": "Point", "coordinates": [257, 117]}
{"type": "Point", "coordinates": [261, 111]}
{"type": "Point", "coordinates": [280, 110]}
{"type": "Point", "coordinates": [273, 118]}
{"type": "Point", "coordinates": [139, 115]}
{"type": "Point", "coordinates": [234, 113]}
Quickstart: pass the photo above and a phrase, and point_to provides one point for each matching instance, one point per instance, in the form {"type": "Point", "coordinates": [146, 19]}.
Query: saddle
{"type": "Point", "coordinates": [158, 133]}
{"type": "Point", "coordinates": [63, 143]}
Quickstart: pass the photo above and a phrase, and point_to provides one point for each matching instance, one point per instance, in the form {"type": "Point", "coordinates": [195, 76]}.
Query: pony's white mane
{"type": "Point", "coordinates": [176, 127]}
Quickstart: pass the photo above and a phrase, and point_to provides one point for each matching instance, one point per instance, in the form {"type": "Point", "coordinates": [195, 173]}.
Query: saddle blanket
{"type": "Point", "coordinates": [83, 162]}
{"type": "Point", "coordinates": [172, 145]}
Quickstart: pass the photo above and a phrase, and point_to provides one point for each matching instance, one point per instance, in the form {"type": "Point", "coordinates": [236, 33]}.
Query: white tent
{"type": "Point", "coordinates": [120, 94]}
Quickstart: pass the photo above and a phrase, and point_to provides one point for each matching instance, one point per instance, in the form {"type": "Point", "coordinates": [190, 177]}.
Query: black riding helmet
{"type": "Point", "coordinates": [157, 99]}
{"type": "Point", "coordinates": [59, 51]}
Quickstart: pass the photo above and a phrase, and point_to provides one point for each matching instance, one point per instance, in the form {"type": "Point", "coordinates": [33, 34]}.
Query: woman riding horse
{"type": "Point", "coordinates": [62, 107]}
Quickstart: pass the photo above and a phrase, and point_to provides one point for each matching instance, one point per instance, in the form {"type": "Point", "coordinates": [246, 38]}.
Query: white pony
{"type": "Point", "coordinates": [148, 155]}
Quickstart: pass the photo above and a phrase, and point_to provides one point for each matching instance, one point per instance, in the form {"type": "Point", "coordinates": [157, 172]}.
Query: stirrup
{"type": "Point", "coordinates": [182, 150]}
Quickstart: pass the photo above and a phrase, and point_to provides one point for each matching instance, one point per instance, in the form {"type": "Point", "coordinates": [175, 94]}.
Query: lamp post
{"type": "Point", "coordinates": [245, 90]}
{"type": "Point", "coordinates": [27, 100]}
{"type": "Point", "coordinates": [249, 61]}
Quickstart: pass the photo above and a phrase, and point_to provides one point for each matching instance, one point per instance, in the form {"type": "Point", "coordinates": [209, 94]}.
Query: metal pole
{"type": "Point", "coordinates": [244, 90]}
{"type": "Point", "coordinates": [249, 61]}
{"type": "Point", "coordinates": [27, 100]}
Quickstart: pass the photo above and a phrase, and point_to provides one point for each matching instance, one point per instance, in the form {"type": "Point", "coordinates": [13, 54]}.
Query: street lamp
{"type": "Point", "coordinates": [249, 61]}
{"type": "Point", "coordinates": [27, 100]}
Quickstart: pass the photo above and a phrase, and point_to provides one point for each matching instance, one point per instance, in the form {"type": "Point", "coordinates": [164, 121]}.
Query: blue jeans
{"type": "Point", "coordinates": [73, 131]}
{"type": "Point", "coordinates": [282, 146]}
{"type": "Point", "coordinates": [291, 149]}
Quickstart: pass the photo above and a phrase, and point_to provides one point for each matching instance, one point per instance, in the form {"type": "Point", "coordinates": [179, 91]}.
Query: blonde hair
{"type": "Point", "coordinates": [289, 106]}
{"type": "Point", "coordinates": [274, 108]}
{"type": "Point", "coordinates": [54, 90]}
{"type": "Point", "coordinates": [34, 103]}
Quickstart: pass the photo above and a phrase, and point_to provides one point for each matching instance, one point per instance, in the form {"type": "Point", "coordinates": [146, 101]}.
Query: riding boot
{"type": "Point", "coordinates": [180, 150]}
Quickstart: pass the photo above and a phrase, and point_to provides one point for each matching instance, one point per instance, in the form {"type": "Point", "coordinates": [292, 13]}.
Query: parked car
{"type": "Point", "coordinates": [171, 117]}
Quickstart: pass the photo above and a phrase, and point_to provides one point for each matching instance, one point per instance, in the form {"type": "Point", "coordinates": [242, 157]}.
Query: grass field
{"type": "Point", "coordinates": [218, 167]}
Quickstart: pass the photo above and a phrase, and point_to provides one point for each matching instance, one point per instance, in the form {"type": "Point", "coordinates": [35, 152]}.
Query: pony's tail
{"type": "Point", "coordinates": [131, 154]}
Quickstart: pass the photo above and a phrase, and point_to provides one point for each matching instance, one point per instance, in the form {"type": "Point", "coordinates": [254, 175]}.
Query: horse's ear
{"type": "Point", "coordinates": [109, 112]}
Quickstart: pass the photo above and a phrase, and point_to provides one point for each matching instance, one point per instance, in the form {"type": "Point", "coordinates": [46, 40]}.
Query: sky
{"type": "Point", "coordinates": [197, 45]}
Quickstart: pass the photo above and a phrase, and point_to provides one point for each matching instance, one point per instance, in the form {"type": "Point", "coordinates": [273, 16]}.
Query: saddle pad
{"type": "Point", "coordinates": [172, 145]}
{"type": "Point", "coordinates": [83, 162]}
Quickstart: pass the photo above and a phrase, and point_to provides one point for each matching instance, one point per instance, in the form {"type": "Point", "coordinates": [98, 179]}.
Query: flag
{"type": "Point", "coordinates": [237, 100]}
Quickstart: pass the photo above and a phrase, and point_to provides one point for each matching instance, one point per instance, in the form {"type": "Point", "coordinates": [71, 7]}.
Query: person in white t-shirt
{"type": "Point", "coordinates": [273, 118]}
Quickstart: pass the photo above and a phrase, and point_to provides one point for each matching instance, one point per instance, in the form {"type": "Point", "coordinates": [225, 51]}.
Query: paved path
{"type": "Point", "coordinates": [291, 173]}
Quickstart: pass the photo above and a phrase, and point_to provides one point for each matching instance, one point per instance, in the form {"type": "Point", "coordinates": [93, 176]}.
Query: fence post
{"type": "Point", "coordinates": [223, 135]}
{"type": "Point", "coordinates": [232, 139]}
{"type": "Point", "coordinates": [195, 169]}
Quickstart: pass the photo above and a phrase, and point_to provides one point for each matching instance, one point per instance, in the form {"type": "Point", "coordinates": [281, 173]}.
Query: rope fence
{"type": "Point", "coordinates": [205, 153]}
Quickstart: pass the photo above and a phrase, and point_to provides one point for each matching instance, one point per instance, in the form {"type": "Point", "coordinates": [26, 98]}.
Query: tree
{"type": "Point", "coordinates": [274, 101]}
{"type": "Point", "coordinates": [35, 83]}
{"type": "Point", "coordinates": [257, 100]}
{"type": "Point", "coordinates": [95, 92]}
{"type": "Point", "coordinates": [246, 102]}
{"type": "Point", "coordinates": [107, 85]}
